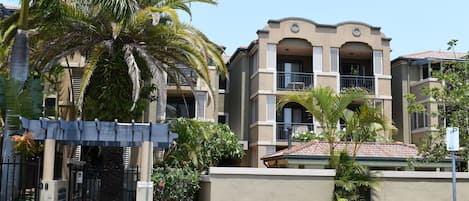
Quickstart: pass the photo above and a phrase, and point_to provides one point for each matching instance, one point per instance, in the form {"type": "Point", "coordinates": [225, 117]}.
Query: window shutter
{"type": "Point", "coordinates": [271, 56]}
{"type": "Point", "coordinates": [378, 62]}
{"type": "Point", "coordinates": [317, 59]}
{"type": "Point", "coordinates": [201, 98]}
{"type": "Point", "coordinates": [334, 59]}
{"type": "Point", "coordinates": [271, 108]}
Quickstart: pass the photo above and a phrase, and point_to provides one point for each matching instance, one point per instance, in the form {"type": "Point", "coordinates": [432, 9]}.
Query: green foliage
{"type": "Point", "coordinates": [25, 146]}
{"type": "Point", "coordinates": [110, 92]}
{"type": "Point", "coordinates": [175, 183]}
{"type": "Point", "coordinates": [352, 181]}
{"type": "Point", "coordinates": [205, 144]}
{"type": "Point", "coordinates": [18, 100]}
{"type": "Point", "coordinates": [307, 136]}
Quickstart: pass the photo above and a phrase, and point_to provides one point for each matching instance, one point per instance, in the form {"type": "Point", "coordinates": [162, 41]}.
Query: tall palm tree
{"type": "Point", "coordinates": [149, 30]}
{"type": "Point", "coordinates": [326, 107]}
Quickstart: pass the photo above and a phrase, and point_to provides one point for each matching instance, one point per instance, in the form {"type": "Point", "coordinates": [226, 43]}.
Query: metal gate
{"type": "Point", "coordinates": [23, 174]}
{"type": "Point", "coordinates": [86, 183]}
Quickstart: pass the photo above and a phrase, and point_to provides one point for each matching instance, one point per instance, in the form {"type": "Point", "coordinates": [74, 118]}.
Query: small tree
{"type": "Point", "coordinates": [327, 108]}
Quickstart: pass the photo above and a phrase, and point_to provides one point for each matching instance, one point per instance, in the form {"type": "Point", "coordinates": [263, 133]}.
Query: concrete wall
{"type": "Point", "coordinates": [256, 184]}
{"type": "Point", "coordinates": [253, 184]}
{"type": "Point", "coordinates": [420, 186]}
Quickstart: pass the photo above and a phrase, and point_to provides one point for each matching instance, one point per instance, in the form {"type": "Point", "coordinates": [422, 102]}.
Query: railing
{"type": "Point", "coordinates": [351, 81]}
{"type": "Point", "coordinates": [294, 81]}
{"type": "Point", "coordinates": [284, 128]}
{"type": "Point", "coordinates": [184, 77]}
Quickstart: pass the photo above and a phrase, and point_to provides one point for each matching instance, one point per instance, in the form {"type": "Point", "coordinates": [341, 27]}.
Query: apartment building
{"type": "Point", "coordinates": [294, 54]}
{"type": "Point", "coordinates": [410, 74]}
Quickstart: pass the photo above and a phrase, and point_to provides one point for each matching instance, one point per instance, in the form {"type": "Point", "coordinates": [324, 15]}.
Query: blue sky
{"type": "Point", "coordinates": [414, 26]}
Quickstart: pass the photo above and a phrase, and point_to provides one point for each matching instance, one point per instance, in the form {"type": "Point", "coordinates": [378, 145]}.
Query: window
{"type": "Point", "coordinates": [254, 110]}
{"type": "Point", "coordinates": [49, 107]}
{"type": "Point", "coordinates": [317, 59]}
{"type": "Point", "coordinates": [271, 100]}
{"type": "Point", "coordinates": [222, 119]}
{"type": "Point", "coordinates": [420, 119]}
{"type": "Point", "coordinates": [378, 62]}
{"type": "Point", "coordinates": [201, 99]}
{"type": "Point", "coordinates": [255, 63]}
{"type": "Point", "coordinates": [178, 107]}
{"type": "Point", "coordinates": [222, 83]}
{"type": "Point", "coordinates": [429, 70]}
{"type": "Point", "coordinates": [334, 59]}
{"type": "Point", "coordinates": [379, 104]}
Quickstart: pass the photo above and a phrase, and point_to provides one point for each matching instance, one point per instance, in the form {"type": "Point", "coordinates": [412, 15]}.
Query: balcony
{"type": "Point", "coordinates": [351, 81]}
{"type": "Point", "coordinates": [293, 81]}
{"type": "Point", "coordinates": [184, 77]}
{"type": "Point", "coordinates": [283, 128]}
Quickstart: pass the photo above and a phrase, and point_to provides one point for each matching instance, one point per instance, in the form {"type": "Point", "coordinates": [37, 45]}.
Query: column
{"type": "Point", "coordinates": [145, 185]}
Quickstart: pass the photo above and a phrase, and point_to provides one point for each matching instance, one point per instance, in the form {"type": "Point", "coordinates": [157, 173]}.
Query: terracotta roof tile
{"type": "Point", "coordinates": [435, 54]}
{"type": "Point", "coordinates": [368, 149]}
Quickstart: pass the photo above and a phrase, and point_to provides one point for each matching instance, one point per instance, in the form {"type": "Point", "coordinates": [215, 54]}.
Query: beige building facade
{"type": "Point", "coordinates": [295, 54]}
{"type": "Point", "coordinates": [410, 75]}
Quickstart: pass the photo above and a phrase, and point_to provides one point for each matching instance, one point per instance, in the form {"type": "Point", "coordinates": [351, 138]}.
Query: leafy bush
{"type": "Point", "coordinates": [204, 144]}
{"type": "Point", "coordinates": [175, 183]}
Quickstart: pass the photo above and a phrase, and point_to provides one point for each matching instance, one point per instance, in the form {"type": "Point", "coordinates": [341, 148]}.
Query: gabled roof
{"type": "Point", "coordinates": [435, 55]}
{"type": "Point", "coordinates": [395, 150]}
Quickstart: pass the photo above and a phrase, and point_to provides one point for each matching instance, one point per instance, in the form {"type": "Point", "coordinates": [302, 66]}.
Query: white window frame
{"type": "Point", "coordinates": [270, 108]}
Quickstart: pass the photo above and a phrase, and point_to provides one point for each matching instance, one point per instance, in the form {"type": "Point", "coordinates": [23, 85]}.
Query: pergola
{"type": "Point", "coordinates": [98, 133]}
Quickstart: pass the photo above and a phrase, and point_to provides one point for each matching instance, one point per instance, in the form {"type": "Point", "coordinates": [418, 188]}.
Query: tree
{"type": "Point", "coordinates": [453, 100]}
{"type": "Point", "coordinates": [352, 180]}
{"type": "Point", "coordinates": [327, 108]}
{"type": "Point", "coordinates": [366, 124]}
{"type": "Point", "coordinates": [149, 31]}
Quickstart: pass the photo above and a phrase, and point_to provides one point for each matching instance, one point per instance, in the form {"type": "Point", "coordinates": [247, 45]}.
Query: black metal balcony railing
{"type": "Point", "coordinates": [351, 81]}
{"type": "Point", "coordinates": [284, 128]}
{"type": "Point", "coordinates": [294, 81]}
{"type": "Point", "coordinates": [181, 77]}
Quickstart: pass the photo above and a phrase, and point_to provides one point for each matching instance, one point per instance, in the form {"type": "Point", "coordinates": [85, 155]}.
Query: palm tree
{"type": "Point", "coordinates": [146, 30]}
{"type": "Point", "coordinates": [327, 108]}
{"type": "Point", "coordinates": [366, 124]}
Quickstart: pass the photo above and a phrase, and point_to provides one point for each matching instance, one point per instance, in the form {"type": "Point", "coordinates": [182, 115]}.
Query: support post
{"type": "Point", "coordinates": [145, 185]}
{"type": "Point", "coordinates": [453, 162]}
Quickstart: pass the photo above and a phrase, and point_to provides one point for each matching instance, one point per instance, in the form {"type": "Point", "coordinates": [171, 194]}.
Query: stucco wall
{"type": "Point", "coordinates": [255, 184]}
{"type": "Point", "coordinates": [252, 184]}
{"type": "Point", "coordinates": [420, 186]}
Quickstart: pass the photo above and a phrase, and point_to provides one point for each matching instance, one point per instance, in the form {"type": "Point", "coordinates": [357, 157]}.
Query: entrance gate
{"type": "Point", "coordinates": [85, 183]}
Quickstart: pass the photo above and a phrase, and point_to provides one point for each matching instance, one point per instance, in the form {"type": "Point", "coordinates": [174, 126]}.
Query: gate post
{"type": "Point", "coordinates": [50, 189]}
{"type": "Point", "coordinates": [145, 185]}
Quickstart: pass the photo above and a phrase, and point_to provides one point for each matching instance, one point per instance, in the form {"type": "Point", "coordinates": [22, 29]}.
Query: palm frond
{"type": "Point", "coordinates": [134, 73]}
{"type": "Point", "coordinates": [89, 69]}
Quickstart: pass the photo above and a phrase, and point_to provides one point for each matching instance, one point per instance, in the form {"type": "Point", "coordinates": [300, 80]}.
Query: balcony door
{"type": "Point", "coordinates": [290, 69]}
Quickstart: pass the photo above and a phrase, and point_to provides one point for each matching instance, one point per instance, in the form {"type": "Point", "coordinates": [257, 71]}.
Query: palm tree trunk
{"type": "Point", "coordinates": [18, 73]}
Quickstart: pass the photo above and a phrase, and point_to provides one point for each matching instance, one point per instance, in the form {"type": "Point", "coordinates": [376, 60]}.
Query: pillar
{"type": "Point", "coordinates": [145, 185]}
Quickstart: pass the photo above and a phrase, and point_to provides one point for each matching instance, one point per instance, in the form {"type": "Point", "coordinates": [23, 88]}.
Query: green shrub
{"type": "Point", "coordinates": [307, 136]}
{"type": "Point", "coordinates": [175, 183]}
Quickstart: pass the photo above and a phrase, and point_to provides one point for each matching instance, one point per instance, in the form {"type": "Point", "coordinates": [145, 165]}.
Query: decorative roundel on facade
{"type": "Point", "coordinates": [356, 32]}
{"type": "Point", "coordinates": [295, 28]}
